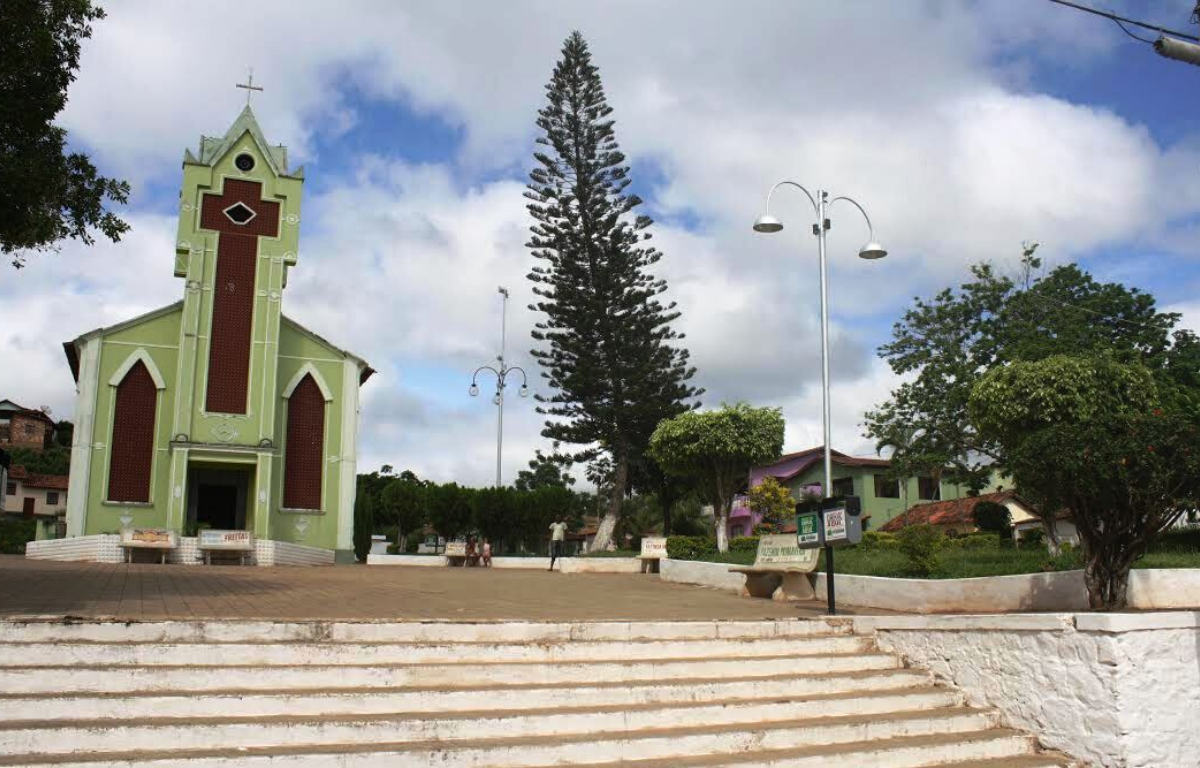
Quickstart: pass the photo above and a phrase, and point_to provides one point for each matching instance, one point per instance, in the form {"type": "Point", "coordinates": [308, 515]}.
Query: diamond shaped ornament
{"type": "Point", "coordinates": [239, 213]}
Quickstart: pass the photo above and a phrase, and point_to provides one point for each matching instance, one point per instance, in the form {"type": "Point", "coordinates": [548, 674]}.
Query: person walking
{"type": "Point", "coordinates": [558, 537]}
{"type": "Point", "coordinates": [486, 553]}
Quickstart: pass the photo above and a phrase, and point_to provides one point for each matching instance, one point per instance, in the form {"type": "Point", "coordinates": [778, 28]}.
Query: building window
{"type": "Point", "coordinates": [843, 486]}
{"type": "Point", "coordinates": [52, 497]}
{"type": "Point", "coordinates": [886, 487]}
{"type": "Point", "coordinates": [132, 450]}
{"type": "Point", "coordinates": [11, 489]}
{"type": "Point", "coordinates": [302, 464]}
{"type": "Point", "coordinates": [929, 489]}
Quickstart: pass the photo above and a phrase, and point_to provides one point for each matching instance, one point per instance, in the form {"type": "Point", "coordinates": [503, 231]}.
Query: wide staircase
{"type": "Point", "coordinates": [204, 694]}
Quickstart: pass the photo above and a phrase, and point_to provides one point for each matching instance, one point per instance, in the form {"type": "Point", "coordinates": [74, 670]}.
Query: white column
{"type": "Point", "coordinates": [82, 442]}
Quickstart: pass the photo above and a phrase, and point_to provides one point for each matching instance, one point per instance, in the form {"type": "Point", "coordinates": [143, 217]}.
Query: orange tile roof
{"type": "Point", "coordinates": [948, 512]}
{"type": "Point", "coordinates": [32, 480]}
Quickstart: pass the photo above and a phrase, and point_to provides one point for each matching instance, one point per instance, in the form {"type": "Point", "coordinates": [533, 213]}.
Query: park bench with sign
{"type": "Point", "coordinates": [781, 569]}
{"type": "Point", "coordinates": [154, 539]}
{"type": "Point", "coordinates": [654, 549]}
{"type": "Point", "coordinates": [221, 544]}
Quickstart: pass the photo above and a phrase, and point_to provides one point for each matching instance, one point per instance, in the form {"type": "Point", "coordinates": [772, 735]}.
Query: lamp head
{"type": "Point", "coordinates": [767, 223]}
{"type": "Point", "coordinates": [474, 390]}
{"type": "Point", "coordinates": [872, 250]}
{"type": "Point", "coordinates": [496, 399]}
{"type": "Point", "coordinates": [524, 391]}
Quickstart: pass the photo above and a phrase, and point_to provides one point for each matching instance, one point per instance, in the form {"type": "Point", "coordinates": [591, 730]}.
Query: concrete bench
{"type": "Point", "coordinates": [238, 544]}
{"type": "Point", "coordinates": [154, 539]}
{"type": "Point", "coordinates": [781, 569]}
{"type": "Point", "coordinates": [654, 549]}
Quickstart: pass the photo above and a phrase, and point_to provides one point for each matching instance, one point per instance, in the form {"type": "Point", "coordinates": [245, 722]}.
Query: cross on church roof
{"type": "Point", "coordinates": [249, 86]}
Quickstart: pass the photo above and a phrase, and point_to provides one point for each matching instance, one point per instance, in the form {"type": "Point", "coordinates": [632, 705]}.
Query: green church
{"type": "Point", "coordinates": [219, 411]}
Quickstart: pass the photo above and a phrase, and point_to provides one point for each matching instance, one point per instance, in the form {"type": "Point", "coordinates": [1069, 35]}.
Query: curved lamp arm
{"type": "Point", "coordinates": [474, 389]}
{"type": "Point", "coordinates": [785, 183]}
{"type": "Point", "coordinates": [524, 391]}
{"type": "Point", "coordinates": [852, 201]}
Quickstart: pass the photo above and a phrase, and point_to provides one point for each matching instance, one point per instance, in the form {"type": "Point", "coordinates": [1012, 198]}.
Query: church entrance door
{"type": "Point", "coordinates": [217, 498]}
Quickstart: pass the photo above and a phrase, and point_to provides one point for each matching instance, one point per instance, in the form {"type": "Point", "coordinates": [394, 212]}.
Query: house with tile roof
{"type": "Point", "coordinates": [956, 517]}
{"type": "Point", "coordinates": [40, 497]}
{"type": "Point", "coordinates": [883, 498]}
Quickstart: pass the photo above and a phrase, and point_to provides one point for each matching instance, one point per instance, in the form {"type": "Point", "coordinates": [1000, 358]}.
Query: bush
{"type": "Point", "coordinates": [872, 540]}
{"type": "Point", "coordinates": [975, 541]}
{"type": "Point", "coordinates": [920, 544]}
{"type": "Point", "coordinates": [1035, 539]}
{"type": "Point", "coordinates": [691, 547]}
{"type": "Point", "coordinates": [1178, 540]}
{"type": "Point", "coordinates": [743, 544]}
{"type": "Point", "coordinates": [15, 534]}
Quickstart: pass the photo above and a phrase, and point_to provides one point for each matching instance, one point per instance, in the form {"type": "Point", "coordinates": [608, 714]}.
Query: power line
{"type": "Point", "coordinates": [1121, 20]}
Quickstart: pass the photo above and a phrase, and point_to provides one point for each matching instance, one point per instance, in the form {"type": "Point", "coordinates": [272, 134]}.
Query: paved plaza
{"type": "Point", "coordinates": [31, 587]}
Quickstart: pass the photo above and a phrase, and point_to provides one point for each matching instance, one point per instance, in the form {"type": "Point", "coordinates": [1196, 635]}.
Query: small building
{"type": "Point", "coordinates": [22, 427]}
{"type": "Point", "coordinates": [40, 497]}
{"type": "Point", "coordinates": [956, 517]}
{"type": "Point", "coordinates": [883, 498]}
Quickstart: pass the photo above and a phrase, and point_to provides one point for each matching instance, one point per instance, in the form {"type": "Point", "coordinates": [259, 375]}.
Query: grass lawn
{"type": "Point", "coordinates": [956, 563]}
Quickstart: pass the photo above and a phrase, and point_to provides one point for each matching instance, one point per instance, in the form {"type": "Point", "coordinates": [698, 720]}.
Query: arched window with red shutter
{"type": "Point", "coordinates": [303, 463]}
{"type": "Point", "coordinates": [131, 451]}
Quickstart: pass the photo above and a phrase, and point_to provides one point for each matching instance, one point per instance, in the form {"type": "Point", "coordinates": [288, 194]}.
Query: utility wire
{"type": "Point", "coordinates": [1134, 22]}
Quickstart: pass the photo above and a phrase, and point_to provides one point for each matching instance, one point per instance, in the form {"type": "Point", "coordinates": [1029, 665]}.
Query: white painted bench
{"type": "Point", "coordinates": [155, 539]}
{"type": "Point", "coordinates": [781, 569]}
{"type": "Point", "coordinates": [654, 549]}
{"type": "Point", "coordinates": [210, 542]}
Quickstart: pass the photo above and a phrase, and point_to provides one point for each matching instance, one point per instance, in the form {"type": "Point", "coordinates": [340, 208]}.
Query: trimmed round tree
{"type": "Point", "coordinates": [1090, 435]}
{"type": "Point", "coordinates": [715, 450]}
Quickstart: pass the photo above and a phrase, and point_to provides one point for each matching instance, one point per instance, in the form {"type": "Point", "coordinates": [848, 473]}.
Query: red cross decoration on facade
{"type": "Point", "coordinates": [240, 216]}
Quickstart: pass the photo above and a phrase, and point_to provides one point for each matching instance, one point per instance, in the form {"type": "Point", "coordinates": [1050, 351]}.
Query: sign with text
{"type": "Point", "coordinates": [808, 531]}
{"type": "Point", "coordinates": [456, 549]}
{"type": "Point", "coordinates": [835, 525]}
{"type": "Point", "coordinates": [229, 540]}
{"type": "Point", "coordinates": [654, 547]}
{"type": "Point", "coordinates": [781, 549]}
{"type": "Point", "coordinates": [149, 538]}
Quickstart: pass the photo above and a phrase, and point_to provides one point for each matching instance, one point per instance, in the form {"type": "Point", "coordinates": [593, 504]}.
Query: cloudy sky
{"type": "Point", "coordinates": [963, 128]}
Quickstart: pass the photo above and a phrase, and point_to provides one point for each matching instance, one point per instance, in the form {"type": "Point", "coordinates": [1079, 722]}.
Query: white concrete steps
{"type": "Point", "coordinates": [267, 654]}
{"type": "Point", "coordinates": [520, 695]}
{"type": "Point", "coordinates": [372, 700]}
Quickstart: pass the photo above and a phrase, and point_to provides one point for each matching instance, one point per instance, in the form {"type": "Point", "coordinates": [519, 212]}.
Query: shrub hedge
{"type": "Point", "coordinates": [15, 534]}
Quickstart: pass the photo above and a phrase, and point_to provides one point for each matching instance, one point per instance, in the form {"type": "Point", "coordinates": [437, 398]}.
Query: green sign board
{"type": "Point", "coordinates": [808, 530]}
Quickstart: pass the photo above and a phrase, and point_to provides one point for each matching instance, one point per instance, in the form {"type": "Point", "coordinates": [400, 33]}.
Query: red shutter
{"type": "Point", "coordinates": [232, 321]}
{"type": "Point", "coordinates": [132, 450]}
{"type": "Point", "coordinates": [303, 460]}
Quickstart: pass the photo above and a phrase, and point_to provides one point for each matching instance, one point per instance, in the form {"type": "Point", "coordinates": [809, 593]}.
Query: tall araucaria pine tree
{"type": "Point", "coordinates": [607, 347]}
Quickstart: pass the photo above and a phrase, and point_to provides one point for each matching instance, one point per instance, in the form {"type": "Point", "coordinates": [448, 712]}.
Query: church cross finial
{"type": "Point", "coordinates": [249, 86]}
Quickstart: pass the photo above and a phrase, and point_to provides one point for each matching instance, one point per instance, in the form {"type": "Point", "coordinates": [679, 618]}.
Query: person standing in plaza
{"type": "Point", "coordinates": [558, 536]}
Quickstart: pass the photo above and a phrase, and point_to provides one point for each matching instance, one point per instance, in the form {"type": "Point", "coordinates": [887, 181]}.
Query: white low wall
{"type": "Point", "coordinates": [1118, 690]}
{"type": "Point", "coordinates": [105, 548]}
{"type": "Point", "coordinates": [715, 575]}
{"type": "Point", "coordinates": [564, 564]}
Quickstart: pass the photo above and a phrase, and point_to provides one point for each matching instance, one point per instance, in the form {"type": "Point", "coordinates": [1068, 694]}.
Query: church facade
{"type": "Point", "coordinates": [219, 411]}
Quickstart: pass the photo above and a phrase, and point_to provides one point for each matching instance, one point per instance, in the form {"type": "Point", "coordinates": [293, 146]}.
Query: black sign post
{"type": "Point", "coordinates": [826, 524]}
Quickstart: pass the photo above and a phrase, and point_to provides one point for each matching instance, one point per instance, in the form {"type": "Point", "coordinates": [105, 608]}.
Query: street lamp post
{"type": "Point", "coordinates": [501, 375]}
{"type": "Point", "coordinates": [872, 250]}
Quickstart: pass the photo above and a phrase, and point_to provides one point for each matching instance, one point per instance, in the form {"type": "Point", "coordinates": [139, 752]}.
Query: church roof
{"type": "Point", "coordinates": [213, 148]}
{"type": "Point", "coordinates": [73, 355]}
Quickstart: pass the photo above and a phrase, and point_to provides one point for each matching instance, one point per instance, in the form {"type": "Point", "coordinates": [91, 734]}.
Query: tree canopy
{"type": "Point", "coordinates": [1090, 435]}
{"type": "Point", "coordinates": [715, 450]}
{"type": "Point", "coordinates": [606, 345]}
{"type": "Point", "coordinates": [47, 193]}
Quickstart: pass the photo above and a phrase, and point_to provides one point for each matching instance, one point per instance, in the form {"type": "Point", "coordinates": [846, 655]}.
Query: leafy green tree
{"type": "Point", "coordinates": [55, 460]}
{"type": "Point", "coordinates": [606, 345]}
{"type": "Point", "coordinates": [402, 504]}
{"type": "Point", "coordinates": [449, 509]}
{"type": "Point", "coordinates": [364, 525]}
{"type": "Point", "coordinates": [715, 450]}
{"type": "Point", "coordinates": [944, 346]}
{"type": "Point", "coordinates": [992, 517]}
{"type": "Point", "coordinates": [47, 194]}
{"type": "Point", "coordinates": [1090, 434]}
{"type": "Point", "coordinates": [772, 501]}
{"type": "Point", "coordinates": [544, 470]}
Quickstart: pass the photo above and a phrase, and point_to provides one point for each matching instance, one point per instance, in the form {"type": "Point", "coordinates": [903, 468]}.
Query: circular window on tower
{"type": "Point", "coordinates": [244, 162]}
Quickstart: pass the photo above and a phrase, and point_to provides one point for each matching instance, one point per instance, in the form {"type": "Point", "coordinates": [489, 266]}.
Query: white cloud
{"type": "Point", "coordinates": [921, 112]}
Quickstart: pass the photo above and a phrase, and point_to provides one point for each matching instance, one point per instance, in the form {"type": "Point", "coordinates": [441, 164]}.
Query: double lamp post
{"type": "Point", "coordinates": [872, 251]}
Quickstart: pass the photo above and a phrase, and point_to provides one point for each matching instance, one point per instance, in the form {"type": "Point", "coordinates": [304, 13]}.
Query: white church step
{"type": "Point", "coordinates": [360, 701]}
{"type": "Point", "coordinates": [116, 679]}
{"type": "Point", "coordinates": [36, 631]}
{"type": "Point", "coordinates": [289, 654]}
{"type": "Point", "coordinates": [614, 735]}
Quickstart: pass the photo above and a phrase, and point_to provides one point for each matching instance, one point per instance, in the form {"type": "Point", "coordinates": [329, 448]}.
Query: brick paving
{"type": "Point", "coordinates": [356, 592]}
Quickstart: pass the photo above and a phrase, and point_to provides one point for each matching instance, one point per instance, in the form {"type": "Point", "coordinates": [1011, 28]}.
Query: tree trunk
{"type": "Point", "coordinates": [1107, 583]}
{"type": "Point", "coordinates": [1052, 541]}
{"type": "Point", "coordinates": [665, 500]}
{"type": "Point", "coordinates": [604, 532]}
{"type": "Point", "coordinates": [402, 544]}
{"type": "Point", "coordinates": [721, 519]}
